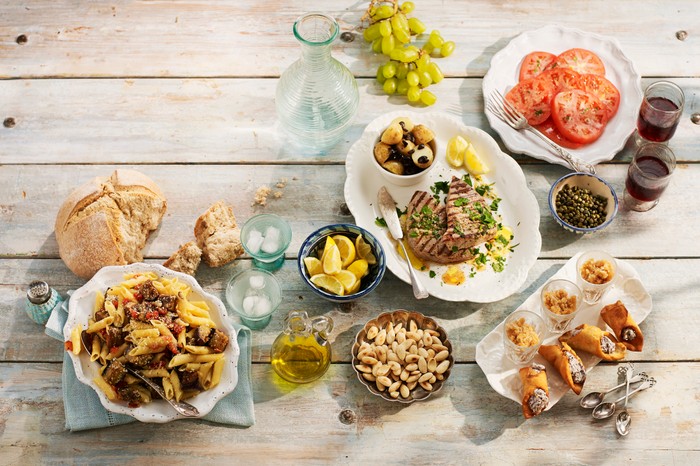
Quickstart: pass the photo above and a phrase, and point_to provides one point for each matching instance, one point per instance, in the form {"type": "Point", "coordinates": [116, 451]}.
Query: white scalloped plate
{"type": "Point", "coordinates": [80, 308]}
{"type": "Point", "coordinates": [518, 207]}
{"type": "Point", "coordinates": [503, 75]}
{"type": "Point", "coordinates": [502, 373]}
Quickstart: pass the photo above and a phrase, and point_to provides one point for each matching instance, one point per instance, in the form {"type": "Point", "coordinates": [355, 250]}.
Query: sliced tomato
{"type": "Point", "coordinates": [532, 98]}
{"type": "Point", "coordinates": [534, 63]}
{"type": "Point", "coordinates": [563, 79]}
{"type": "Point", "coordinates": [550, 130]}
{"type": "Point", "coordinates": [580, 60]}
{"type": "Point", "coordinates": [604, 90]}
{"type": "Point", "coordinates": [579, 116]}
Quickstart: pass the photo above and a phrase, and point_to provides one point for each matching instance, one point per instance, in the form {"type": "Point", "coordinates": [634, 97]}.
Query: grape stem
{"type": "Point", "coordinates": [376, 3]}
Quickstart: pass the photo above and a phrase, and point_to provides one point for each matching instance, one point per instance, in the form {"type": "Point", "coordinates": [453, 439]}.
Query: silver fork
{"type": "Point", "coordinates": [504, 110]}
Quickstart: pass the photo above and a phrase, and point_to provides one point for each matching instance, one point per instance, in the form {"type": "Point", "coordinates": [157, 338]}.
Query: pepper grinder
{"type": "Point", "coordinates": [41, 299]}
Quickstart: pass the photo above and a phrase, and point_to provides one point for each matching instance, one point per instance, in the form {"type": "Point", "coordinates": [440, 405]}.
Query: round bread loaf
{"type": "Point", "coordinates": [107, 221]}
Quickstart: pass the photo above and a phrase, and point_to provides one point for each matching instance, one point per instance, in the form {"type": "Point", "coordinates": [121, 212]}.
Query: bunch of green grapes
{"type": "Point", "coordinates": [410, 70]}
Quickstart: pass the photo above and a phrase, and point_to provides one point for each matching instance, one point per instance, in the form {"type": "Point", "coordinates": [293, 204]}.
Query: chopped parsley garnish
{"type": "Point", "coordinates": [467, 179]}
{"type": "Point", "coordinates": [380, 222]}
{"type": "Point", "coordinates": [461, 202]}
{"type": "Point", "coordinates": [432, 274]}
{"type": "Point", "coordinates": [494, 204]}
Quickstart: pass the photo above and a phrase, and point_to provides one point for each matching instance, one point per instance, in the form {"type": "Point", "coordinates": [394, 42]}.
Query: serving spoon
{"type": "Point", "coordinates": [593, 399]}
{"type": "Point", "coordinates": [605, 410]}
{"type": "Point", "coordinates": [623, 421]}
{"type": "Point", "coordinates": [181, 407]}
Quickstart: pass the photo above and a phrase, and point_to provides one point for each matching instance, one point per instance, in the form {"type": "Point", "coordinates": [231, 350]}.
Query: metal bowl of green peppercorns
{"type": "Point", "coordinates": [582, 203]}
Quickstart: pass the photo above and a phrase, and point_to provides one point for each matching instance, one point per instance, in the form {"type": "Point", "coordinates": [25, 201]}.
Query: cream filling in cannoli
{"type": "Point", "coordinates": [607, 345]}
{"type": "Point", "coordinates": [578, 373]}
{"type": "Point", "coordinates": [628, 334]}
{"type": "Point", "coordinates": [538, 401]}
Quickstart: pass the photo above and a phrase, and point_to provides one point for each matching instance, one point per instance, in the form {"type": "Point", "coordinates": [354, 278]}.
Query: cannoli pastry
{"type": "Point", "coordinates": [535, 390]}
{"type": "Point", "coordinates": [567, 362]}
{"type": "Point", "coordinates": [623, 326]}
{"type": "Point", "coordinates": [595, 341]}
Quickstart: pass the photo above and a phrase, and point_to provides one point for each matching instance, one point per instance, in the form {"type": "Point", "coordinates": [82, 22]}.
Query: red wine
{"type": "Point", "coordinates": [654, 122]}
{"type": "Point", "coordinates": [642, 184]}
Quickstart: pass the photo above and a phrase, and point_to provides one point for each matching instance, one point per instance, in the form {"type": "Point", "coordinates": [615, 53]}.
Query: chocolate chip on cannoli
{"type": "Point", "coordinates": [535, 390]}
{"type": "Point", "coordinates": [623, 325]}
{"type": "Point", "coordinates": [567, 362]}
{"type": "Point", "coordinates": [595, 341]}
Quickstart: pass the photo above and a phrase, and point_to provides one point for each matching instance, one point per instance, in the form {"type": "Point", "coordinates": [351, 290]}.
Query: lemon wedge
{"type": "Point", "coordinates": [360, 268]}
{"type": "Point", "coordinates": [332, 263]}
{"type": "Point", "coordinates": [473, 163]}
{"type": "Point", "coordinates": [456, 147]}
{"type": "Point", "coordinates": [347, 279]}
{"type": "Point", "coordinates": [313, 265]}
{"type": "Point", "coordinates": [328, 283]}
{"type": "Point", "coordinates": [329, 244]}
{"type": "Point", "coordinates": [364, 250]}
{"type": "Point", "coordinates": [347, 249]}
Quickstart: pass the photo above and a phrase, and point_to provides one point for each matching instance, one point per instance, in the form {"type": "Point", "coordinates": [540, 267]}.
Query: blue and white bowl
{"type": "Point", "coordinates": [314, 244]}
{"type": "Point", "coordinates": [597, 186]}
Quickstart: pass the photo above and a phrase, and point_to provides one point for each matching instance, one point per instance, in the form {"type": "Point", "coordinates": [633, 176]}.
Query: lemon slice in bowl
{"type": "Point", "coordinates": [347, 249]}
{"type": "Point", "coordinates": [329, 244]}
{"type": "Point", "coordinates": [455, 151]}
{"type": "Point", "coordinates": [348, 280]}
{"type": "Point", "coordinates": [364, 250]}
{"type": "Point", "coordinates": [313, 265]}
{"type": "Point", "coordinates": [328, 283]}
{"type": "Point", "coordinates": [360, 268]}
{"type": "Point", "coordinates": [332, 263]}
{"type": "Point", "coordinates": [473, 163]}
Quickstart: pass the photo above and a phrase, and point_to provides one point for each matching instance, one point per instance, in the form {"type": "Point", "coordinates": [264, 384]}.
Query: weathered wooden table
{"type": "Point", "coordinates": [184, 92]}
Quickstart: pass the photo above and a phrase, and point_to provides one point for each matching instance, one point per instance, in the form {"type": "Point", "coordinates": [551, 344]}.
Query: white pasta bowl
{"type": "Point", "coordinates": [80, 309]}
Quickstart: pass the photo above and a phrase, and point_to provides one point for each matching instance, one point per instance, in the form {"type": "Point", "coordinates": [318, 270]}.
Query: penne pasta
{"type": "Point", "coordinates": [149, 323]}
{"type": "Point", "coordinates": [105, 387]}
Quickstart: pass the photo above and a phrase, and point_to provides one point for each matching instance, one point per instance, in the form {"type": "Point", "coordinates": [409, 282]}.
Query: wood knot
{"type": "Point", "coordinates": [681, 35]}
{"type": "Point", "coordinates": [695, 118]}
{"type": "Point", "coordinates": [347, 416]}
{"type": "Point", "coordinates": [347, 36]}
{"type": "Point", "coordinates": [21, 39]}
{"type": "Point", "coordinates": [9, 122]}
{"type": "Point", "coordinates": [344, 210]}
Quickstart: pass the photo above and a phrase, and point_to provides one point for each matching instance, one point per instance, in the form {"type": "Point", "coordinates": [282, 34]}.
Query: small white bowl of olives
{"type": "Point", "coordinates": [404, 153]}
{"type": "Point", "coordinates": [582, 203]}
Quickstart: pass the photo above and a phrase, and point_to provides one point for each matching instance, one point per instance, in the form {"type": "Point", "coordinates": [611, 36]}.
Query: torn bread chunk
{"type": "Point", "coordinates": [218, 235]}
{"type": "Point", "coordinates": [186, 259]}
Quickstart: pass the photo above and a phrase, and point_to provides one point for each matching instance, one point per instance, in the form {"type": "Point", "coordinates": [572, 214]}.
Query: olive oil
{"type": "Point", "coordinates": [302, 353]}
{"type": "Point", "coordinates": [300, 359]}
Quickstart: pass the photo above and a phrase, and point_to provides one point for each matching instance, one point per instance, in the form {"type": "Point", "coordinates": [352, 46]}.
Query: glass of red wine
{"type": "Point", "coordinates": [660, 112]}
{"type": "Point", "coordinates": [648, 176]}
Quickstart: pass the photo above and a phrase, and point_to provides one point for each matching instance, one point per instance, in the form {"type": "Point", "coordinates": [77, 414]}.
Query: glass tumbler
{"type": "Point", "coordinates": [265, 238]}
{"type": "Point", "coordinates": [648, 176]}
{"type": "Point", "coordinates": [523, 332]}
{"type": "Point", "coordinates": [660, 112]}
{"type": "Point", "coordinates": [596, 272]}
{"type": "Point", "coordinates": [255, 295]}
{"type": "Point", "coordinates": [561, 300]}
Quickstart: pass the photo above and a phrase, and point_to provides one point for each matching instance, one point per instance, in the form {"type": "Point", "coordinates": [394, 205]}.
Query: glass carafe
{"type": "Point", "coordinates": [302, 353]}
{"type": "Point", "coordinates": [316, 96]}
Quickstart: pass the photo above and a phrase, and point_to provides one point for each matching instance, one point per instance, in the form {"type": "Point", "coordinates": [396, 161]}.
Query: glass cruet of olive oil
{"type": "Point", "coordinates": [302, 352]}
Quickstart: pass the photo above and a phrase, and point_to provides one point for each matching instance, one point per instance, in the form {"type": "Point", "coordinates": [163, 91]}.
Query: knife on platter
{"type": "Point", "coordinates": [387, 207]}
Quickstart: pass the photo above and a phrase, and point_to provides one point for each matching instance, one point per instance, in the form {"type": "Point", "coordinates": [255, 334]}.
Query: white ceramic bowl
{"type": "Point", "coordinates": [597, 186]}
{"type": "Point", "coordinates": [80, 308]}
{"type": "Point", "coordinates": [405, 180]}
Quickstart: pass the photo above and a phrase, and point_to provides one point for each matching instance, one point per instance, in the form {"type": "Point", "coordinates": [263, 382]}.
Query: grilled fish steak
{"type": "Point", "coordinates": [469, 218]}
{"type": "Point", "coordinates": [426, 224]}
